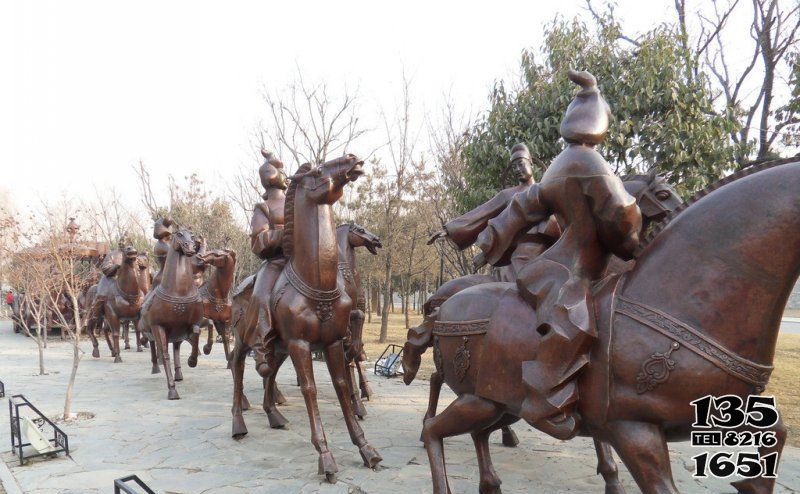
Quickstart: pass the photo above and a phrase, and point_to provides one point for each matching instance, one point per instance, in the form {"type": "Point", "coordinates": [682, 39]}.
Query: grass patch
{"type": "Point", "coordinates": [784, 383]}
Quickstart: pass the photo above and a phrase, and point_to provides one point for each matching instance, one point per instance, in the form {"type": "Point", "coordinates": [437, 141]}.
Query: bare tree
{"type": "Point", "coordinates": [311, 122]}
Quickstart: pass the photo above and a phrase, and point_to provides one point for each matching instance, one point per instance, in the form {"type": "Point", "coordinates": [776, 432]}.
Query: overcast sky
{"type": "Point", "coordinates": [89, 88]}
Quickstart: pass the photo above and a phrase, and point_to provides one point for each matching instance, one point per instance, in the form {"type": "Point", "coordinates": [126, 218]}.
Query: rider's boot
{"type": "Point", "coordinates": [264, 352]}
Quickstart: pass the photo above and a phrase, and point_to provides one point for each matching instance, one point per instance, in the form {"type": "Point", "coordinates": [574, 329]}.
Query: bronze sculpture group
{"type": "Point", "coordinates": [590, 326]}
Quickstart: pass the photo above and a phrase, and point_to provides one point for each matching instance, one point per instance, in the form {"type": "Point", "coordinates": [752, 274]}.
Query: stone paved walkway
{"type": "Point", "coordinates": [185, 446]}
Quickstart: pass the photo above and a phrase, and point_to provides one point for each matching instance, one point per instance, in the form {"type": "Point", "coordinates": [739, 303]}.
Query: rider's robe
{"type": "Point", "coordinates": [598, 218]}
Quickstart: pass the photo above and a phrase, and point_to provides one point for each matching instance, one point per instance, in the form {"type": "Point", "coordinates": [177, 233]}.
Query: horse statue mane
{"type": "Point", "coordinates": [288, 210]}
{"type": "Point", "coordinates": [744, 172]}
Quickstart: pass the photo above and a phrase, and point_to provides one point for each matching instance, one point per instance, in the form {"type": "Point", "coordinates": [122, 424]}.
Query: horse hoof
{"type": "Point", "coordinates": [178, 375]}
{"type": "Point", "coordinates": [277, 420]}
{"type": "Point", "coordinates": [206, 349]}
{"type": "Point", "coordinates": [173, 395]}
{"type": "Point", "coordinates": [239, 429]}
{"type": "Point", "coordinates": [117, 359]}
{"type": "Point", "coordinates": [490, 488]}
{"type": "Point", "coordinates": [370, 456]}
{"type": "Point", "coordinates": [155, 370]}
{"type": "Point", "coordinates": [758, 485]}
{"type": "Point", "coordinates": [327, 466]}
{"type": "Point", "coordinates": [96, 353]}
{"type": "Point", "coordinates": [127, 346]}
{"type": "Point", "coordinates": [139, 349]}
{"type": "Point", "coordinates": [192, 361]}
{"type": "Point", "coordinates": [279, 398]}
{"type": "Point", "coordinates": [245, 402]}
{"type": "Point", "coordinates": [615, 488]}
{"type": "Point", "coordinates": [366, 393]}
{"type": "Point", "coordinates": [359, 410]}
{"type": "Point", "coordinates": [229, 365]}
{"type": "Point", "coordinates": [510, 439]}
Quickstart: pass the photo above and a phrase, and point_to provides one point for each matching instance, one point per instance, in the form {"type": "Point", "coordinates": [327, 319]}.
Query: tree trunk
{"type": "Point", "coordinates": [42, 370]}
{"type": "Point", "coordinates": [377, 294]}
{"type": "Point", "coordinates": [387, 296]}
{"type": "Point", "coordinates": [369, 298]}
{"type": "Point", "coordinates": [76, 360]}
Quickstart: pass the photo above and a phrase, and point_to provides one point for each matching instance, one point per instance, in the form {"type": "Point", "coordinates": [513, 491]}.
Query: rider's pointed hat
{"type": "Point", "coordinates": [587, 117]}
{"type": "Point", "coordinates": [270, 172]}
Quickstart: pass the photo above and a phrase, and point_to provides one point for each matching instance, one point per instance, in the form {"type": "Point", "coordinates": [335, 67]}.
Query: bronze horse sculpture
{"type": "Point", "coordinates": [349, 237]}
{"type": "Point", "coordinates": [123, 300]}
{"type": "Point", "coordinates": [311, 307]}
{"type": "Point", "coordinates": [215, 293]}
{"type": "Point", "coordinates": [145, 283]}
{"type": "Point", "coordinates": [173, 310]}
{"type": "Point", "coordinates": [655, 197]}
{"type": "Point", "coordinates": [711, 330]}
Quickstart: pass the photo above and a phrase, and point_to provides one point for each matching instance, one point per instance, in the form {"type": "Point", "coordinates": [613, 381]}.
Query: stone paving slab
{"type": "Point", "coordinates": [184, 446]}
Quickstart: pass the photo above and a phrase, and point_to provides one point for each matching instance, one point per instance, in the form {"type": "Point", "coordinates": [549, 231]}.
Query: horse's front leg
{"type": "Point", "coordinates": [176, 352]}
{"type": "Point", "coordinates": [137, 334]}
{"type": "Point", "coordinates": [162, 347]}
{"type": "Point", "coordinates": [300, 352]}
{"type": "Point", "coordinates": [337, 366]}
{"type": "Point", "coordinates": [607, 467]}
{"type": "Point", "coordinates": [195, 341]}
{"type": "Point", "coordinates": [114, 322]}
{"type": "Point", "coordinates": [643, 448]}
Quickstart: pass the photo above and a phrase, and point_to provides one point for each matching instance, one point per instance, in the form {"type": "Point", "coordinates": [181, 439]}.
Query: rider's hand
{"type": "Point", "coordinates": [479, 261]}
{"type": "Point", "coordinates": [436, 236]}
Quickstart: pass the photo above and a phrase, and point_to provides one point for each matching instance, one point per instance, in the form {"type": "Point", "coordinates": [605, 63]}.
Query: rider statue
{"type": "Point", "coordinates": [198, 266]}
{"type": "Point", "coordinates": [266, 238]}
{"type": "Point", "coordinates": [598, 218]}
{"type": "Point", "coordinates": [109, 267]}
{"type": "Point", "coordinates": [162, 233]}
{"type": "Point", "coordinates": [464, 230]}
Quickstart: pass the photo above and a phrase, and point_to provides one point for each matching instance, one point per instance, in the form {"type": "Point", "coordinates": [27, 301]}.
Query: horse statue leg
{"type": "Point", "coordinates": [107, 333]}
{"type": "Point", "coordinates": [126, 334]}
{"type": "Point", "coordinates": [437, 379]}
{"type": "Point", "coordinates": [162, 346]}
{"type": "Point", "coordinates": [176, 352]}
{"type": "Point", "coordinates": [275, 417]}
{"type": "Point", "coordinates": [90, 330]}
{"type": "Point", "coordinates": [363, 382]}
{"type": "Point", "coordinates": [510, 439]}
{"type": "Point", "coordinates": [606, 466]}
{"type": "Point", "coordinates": [114, 323]}
{"type": "Point", "coordinates": [643, 448]}
{"type": "Point", "coordinates": [210, 340]}
{"type": "Point", "coordinates": [195, 341]}
{"type": "Point", "coordinates": [137, 334]}
{"type": "Point", "coordinates": [222, 330]}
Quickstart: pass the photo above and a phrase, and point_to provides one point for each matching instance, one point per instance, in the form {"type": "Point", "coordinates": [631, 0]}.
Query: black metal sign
{"type": "Point", "coordinates": [121, 485]}
{"type": "Point", "coordinates": [60, 440]}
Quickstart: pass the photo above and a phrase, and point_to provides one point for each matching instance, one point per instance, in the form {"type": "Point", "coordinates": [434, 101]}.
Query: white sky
{"type": "Point", "coordinates": [89, 88]}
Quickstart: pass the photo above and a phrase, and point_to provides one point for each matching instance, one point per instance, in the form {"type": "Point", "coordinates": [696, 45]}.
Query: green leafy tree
{"type": "Point", "coordinates": [663, 114]}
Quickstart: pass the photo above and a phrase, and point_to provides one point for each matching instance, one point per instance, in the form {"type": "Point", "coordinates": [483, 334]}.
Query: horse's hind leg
{"type": "Point", "coordinates": [489, 481]}
{"type": "Point", "coordinates": [107, 333]}
{"type": "Point", "coordinates": [237, 369]}
{"type": "Point", "coordinates": [469, 413]}
{"type": "Point", "coordinates": [276, 419]}
{"type": "Point", "coordinates": [510, 439]}
{"type": "Point", "coordinates": [126, 334]}
{"type": "Point", "coordinates": [363, 382]}
{"type": "Point", "coordinates": [765, 485]}
{"type": "Point", "coordinates": [607, 467]}
{"type": "Point", "coordinates": [337, 366]}
{"type": "Point", "coordinates": [355, 396]}
{"type": "Point", "coordinates": [137, 334]}
{"type": "Point", "coordinates": [433, 398]}
{"type": "Point", "coordinates": [643, 449]}
{"type": "Point", "coordinates": [300, 352]}
{"type": "Point", "coordinates": [210, 340]}
{"type": "Point", "coordinates": [90, 329]}
{"type": "Point", "coordinates": [176, 352]}
{"type": "Point", "coordinates": [114, 322]}
{"type": "Point", "coordinates": [154, 359]}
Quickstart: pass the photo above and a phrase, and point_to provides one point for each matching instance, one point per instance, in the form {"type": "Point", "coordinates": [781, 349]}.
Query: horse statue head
{"type": "Point", "coordinates": [184, 241]}
{"type": "Point", "coordinates": [654, 195]}
{"type": "Point", "coordinates": [358, 236]}
{"type": "Point", "coordinates": [323, 184]}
